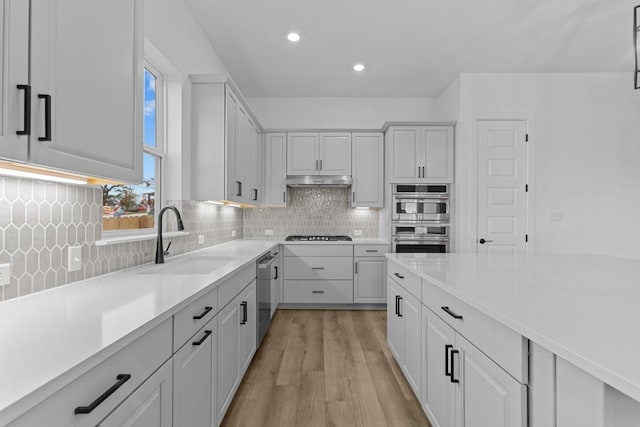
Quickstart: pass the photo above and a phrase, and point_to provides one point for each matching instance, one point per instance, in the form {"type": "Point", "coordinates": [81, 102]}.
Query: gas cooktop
{"type": "Point", "coordinates": [318, 238]}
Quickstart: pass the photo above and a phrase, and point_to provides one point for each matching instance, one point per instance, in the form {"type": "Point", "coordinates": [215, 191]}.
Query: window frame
{"type": "Point", "coordinates": [159, 151]}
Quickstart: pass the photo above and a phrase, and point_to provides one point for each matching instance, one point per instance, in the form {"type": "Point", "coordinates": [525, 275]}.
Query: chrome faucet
{"type": "Point", "coordinates": [159, 244]}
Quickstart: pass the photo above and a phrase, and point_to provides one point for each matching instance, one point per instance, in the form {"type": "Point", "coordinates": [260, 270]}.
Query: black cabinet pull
{"type": "Point", "coordinates": [276, 269]}
{"type": "Point", "coordinates": [122, 378]}
{"type": "Point", "coordinates": [239, 193]}
{"type": "Point", "coordinates": [483, 241]}
{"type": "Point", "coordinates": [26, 120]}
{"type": "Point", "coordinates": [353, 199]}
{"type": "Point", "coordinates": [243, 304]}
{"type": "Point", "coordinates": [356, 267]}
{"type": "Point", "coordinates": [204, 313]}
{"type": "Point", "coordinates": [398, 299]}
{"type": "Point", "coordinates": [451, 354]}
{"type": "Point", "coordinates": [47, 117]}
{"type": "Point", "coordinates": [255, 194]}
{"type": "Point", "coordinates": [447, 371]}
{"type": "Point", "coordinates": [451, 313]}
{"type": "Point", "coordinates": [371, 250]}
{"type": "Point", "coordinates": [317, 268]}
{"type": "Point", "coordinates": [206, 335]}
{"type": "Point", "coordinates": [317, 292]}
{"type": "Point", "coordinates": [398, 275]}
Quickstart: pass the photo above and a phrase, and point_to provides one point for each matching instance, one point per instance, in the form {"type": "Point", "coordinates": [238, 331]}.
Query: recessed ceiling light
{"type": "Point", "coordinates": [358, 67]}
{"type": "Point", "coordinates": [293, 37]}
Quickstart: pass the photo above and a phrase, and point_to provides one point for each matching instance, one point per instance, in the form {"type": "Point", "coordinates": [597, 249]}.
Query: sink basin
{"type": "Point", "coordinates": [202, 264]}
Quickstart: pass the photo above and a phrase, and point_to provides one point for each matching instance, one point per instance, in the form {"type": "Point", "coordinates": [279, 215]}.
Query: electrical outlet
{"type": "Point", "coordinates": [201, 239]}
{"type": "Point", "coordinates": [233, 233]}
{"type": "Point", "coordinates": [357, 232]}
{"type": "Point", "coordinates": [268, 232]}
{"type": "Point", "coordinates": [5, 274]}
{"type": "Point", "coordinates": [74, 261]}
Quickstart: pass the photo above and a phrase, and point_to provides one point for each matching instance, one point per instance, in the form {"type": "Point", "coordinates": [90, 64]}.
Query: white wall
{"type": "Point", "coordinates": [585, 131]}
{"type": "Point", "coordinates": [175, 42]}
{"type": "Point", "coordinates": [339, 113]}
{"type": "Point", "coordinates": [447, 103]}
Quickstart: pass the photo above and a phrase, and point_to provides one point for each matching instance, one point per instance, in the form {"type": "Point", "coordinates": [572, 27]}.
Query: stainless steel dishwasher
{"type": "Point", "coordinates": [266, 266]}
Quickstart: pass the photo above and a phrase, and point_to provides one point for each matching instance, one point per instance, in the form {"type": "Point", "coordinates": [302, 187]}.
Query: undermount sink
{"type": "Point", "coordinates": [201, 264]}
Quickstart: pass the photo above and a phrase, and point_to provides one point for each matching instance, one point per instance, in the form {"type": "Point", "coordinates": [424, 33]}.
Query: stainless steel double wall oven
{"type": "Point", "coordinates": [420, 218]}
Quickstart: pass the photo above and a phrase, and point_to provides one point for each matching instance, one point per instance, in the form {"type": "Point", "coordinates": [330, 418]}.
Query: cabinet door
{"type": "Point", "coordinates": [248, 324]}
{"type": "Point", "coordinates": [253, 165]}
{"type": "Point", "coordinates": [438, 154]}
{"type": "Point", "coordinates": [335, 154]}
{"type": "Point", "coordinates": [148, 406]}
{"type": "Point", "coordinates": [438, 395]}
{"type": "Point", "coordinates": [87, 56]}
{"type": "Point", "coordinates": [231, 125]}
{"type": "Point", "coordinates": [411, 310]}
{"type": "Point", "coordinates": [276, 170]}
{"type": "Point", "coordinates": [244, 136]}
{"type": "Point", "coordinates": [302, 154]}
{"type": "Point", "coordinates": [368, 170]}
{"type": "Point", "coordinates": [228, 360]}
{"type": "Point", "coordinates": [369, 286]}
{"type": "Point", "coordinates": [405, 153]}
{"type": "Point", "coordinates": [193, 370]}
{"type": "Point", "coordinates": [14, 71]}
{"type": "Point", "coordinates": [489, 396]}
{"type": "Point", "coordinates": [395, 322]}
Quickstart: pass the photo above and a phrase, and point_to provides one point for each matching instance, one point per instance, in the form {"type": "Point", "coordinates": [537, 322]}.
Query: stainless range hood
{"type": "Point", "coordinates": [335, 181]}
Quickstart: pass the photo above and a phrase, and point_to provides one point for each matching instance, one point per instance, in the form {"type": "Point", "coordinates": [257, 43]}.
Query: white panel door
{"type": "Point", "coordinates": [438, 397]}
{"type": "Point", "coordinates": [502, 177]}
{"type": "Point", "coordinates": [438, 154]}
{"type": "Point", "coordinates": [254, 165]}
{"type": "Point", "coordinates": [405, 154]}
{"type": "Point", "coordinates": [395, 323]}
{"type": "Point", "coordinates": [149, 406]}
{"type": "Point", "coordinates": [302, 154]}
{"type": "Point", "coordinates": [367, 170]}
{"type": "Point", "coordinates": [368, 280]}
{"type": "Point", "coordinates": [248, 319]}
{"type": "Point", "coordinates": [276, 170]}
{"type": "Point", "coordinates": [244, 137]}
{"type": "Point", "coordinates": [14, 71]}
{"type": "Point", "coordinates": [231, 119]}
{"type": "Point", "coordinates": [86, 55]}
{"type": "Point", "coordinates": [490, 396]}
{"type": "Point", "coordinates": [335, 153]}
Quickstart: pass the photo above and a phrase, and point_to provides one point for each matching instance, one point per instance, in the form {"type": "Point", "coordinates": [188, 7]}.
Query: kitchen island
{"type": "Point", "coordinates": [578, 315]}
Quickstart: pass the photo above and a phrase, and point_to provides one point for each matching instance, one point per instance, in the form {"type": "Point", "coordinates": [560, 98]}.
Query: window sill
{"type": "Point", "coordinates": [114, 240]}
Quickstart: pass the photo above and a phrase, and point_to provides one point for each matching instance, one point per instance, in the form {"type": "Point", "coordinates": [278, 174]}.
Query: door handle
{"type": "Point", "coordinates": [356, 267]}
{"type": "Point", "coordinates": [317, 268]}
{"type": "Point", "coordinates": [243, 304]}
{"type": "Point", "coordinates": [398, 300]}
{"type": "Point", "coordinates": [452, 377]}
{"type": "Point", "coordinates": [204, 313]}
{"type": "Point", "coordinates": [419, 172]}
{"type": "Point", "coordinates": [26, 127]}
{"type": "Point", "coordinates": [47, 117]}
{"type": "Point", "coordinates": [320, 164]}
{"type": "Point", "coordinates": [447, 371]}
{"type": "Point", "coordinates": [398, 275]}
{"type": "Point", "coordinates": [239, 193]}
{"type": "Point", "coordinates": [483, 241]}
{"type": "Point", "coordinates": [276, 268]}
{"type": "Point", "coordinates": [447, 310]}
{"type": "Point", "coordinates": [203, 339]}
{"type": "Point", "coordinates": [122, 378]}
{"type": "Point", "coordinates": [317, 164]}
{"type": "Point", "coordinates": [317, 292]}
{"type": "Point", "coordinates": [255, 194]}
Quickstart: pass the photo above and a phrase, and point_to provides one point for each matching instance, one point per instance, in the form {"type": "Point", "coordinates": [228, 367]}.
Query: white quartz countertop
{"type": "Point", "coordinates": [50, 338]}
{"type": "Point", "coordinates": [339, 242]}
{"type": "Point", "coordinates": [583, 308]}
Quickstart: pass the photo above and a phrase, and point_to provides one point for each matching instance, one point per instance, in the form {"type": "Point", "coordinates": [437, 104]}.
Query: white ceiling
{"type": "Point", "coordinates": [412, 48]}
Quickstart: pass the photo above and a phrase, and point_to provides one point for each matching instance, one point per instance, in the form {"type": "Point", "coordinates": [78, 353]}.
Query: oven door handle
{"type": "Point", "coordinates": [421, 239]}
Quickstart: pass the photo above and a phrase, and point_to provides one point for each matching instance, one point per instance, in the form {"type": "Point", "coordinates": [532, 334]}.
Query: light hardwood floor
{"type": "Point", "coordinates": [325, 368]}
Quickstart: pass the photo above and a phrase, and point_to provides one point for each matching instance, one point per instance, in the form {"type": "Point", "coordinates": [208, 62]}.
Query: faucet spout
{"type": "Point", "coordinates": [159, 244]}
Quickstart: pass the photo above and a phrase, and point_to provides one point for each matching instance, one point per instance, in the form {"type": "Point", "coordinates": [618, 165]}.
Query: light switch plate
{"type": "Point", "coordinates": [357, 232]}
{"type": "Point", "coordinates": [233, 233]}
{"type": "Point", "coordinates": [201, 239]}
{"type": "Point", "coordinates": [74, 261]}
{"type": "Point", "coordinates": [5, 274]}
{"type": "Point", "coordinates": [268, 232]}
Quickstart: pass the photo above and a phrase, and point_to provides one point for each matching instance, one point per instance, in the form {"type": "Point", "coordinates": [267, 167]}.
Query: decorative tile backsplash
{"type": "Point", "coordinates": [39, 222]}
{"type": "Point", "coordinates": [311, 211]}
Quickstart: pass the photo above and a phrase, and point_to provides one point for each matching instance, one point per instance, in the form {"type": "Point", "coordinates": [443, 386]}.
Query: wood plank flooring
{"type": "Point", "coordinates": [325, 368]}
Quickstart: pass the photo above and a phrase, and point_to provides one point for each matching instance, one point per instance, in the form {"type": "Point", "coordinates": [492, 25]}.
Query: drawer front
{"type": "Point", "coordinates": [310, 268]}
{"type": "Point", "coordinates": [405, 278]}
{"type": "Point", "coordinates": [506, 347]}
{"type": "Point", "coordinates": [231, 287]}
{"type": "Point", "coordinates": [370, 250]}
{"type": "Point", "coordinates": [193, 317]}
{"type": "Point", "coordinates": [318, 291]}
{"type": "Point", "coordinates": [318, 249]}
{"type": "Point", "coordinates": [139, 360]}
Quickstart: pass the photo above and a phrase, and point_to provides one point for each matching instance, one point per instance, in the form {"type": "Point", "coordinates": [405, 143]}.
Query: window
{"type": "Point", "coordinates": [132, 207]}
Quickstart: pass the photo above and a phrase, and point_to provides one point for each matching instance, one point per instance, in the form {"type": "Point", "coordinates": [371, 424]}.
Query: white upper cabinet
{"type": "Point", "coordinates": [421, 154]}
{"type": "Point", "coordinates": [85, 88]}
{"type": "Point", "coordinates": [225, 143]}
{"type": "Point", "coordinates": [14, 79]}
{"type": "Point", "coordinates": [367, 170]}
{"type": "Point", "coordinates": [319, 153]}
{"type": "Point", "coordinates": [276, 170]}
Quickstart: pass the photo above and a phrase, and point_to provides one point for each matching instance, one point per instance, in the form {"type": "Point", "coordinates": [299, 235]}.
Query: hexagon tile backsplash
{"type": "Point", "coordinates": [39, 222]}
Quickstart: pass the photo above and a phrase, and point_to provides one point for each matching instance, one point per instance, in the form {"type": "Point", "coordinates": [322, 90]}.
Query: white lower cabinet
{"type": "Point", "coordinates": [369, 274]}
{"type": "Point", "coordinates": [237, 337]}
{"type": "Point", "coordinates": [195, 367]}
{"type": "Point", "coordinates": [150, 405]}
{"type": "Point", "coordinates": [463, 387]}
{"type": "Point", "coordinates": [404, 333]}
